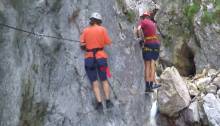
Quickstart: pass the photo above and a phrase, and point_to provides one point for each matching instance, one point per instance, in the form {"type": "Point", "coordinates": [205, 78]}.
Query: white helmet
{"type": "Point", "coordinates": [96, 16]}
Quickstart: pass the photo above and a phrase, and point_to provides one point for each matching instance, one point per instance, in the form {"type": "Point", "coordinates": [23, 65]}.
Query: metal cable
{"type": "Point", "coordinates": [37, 34]}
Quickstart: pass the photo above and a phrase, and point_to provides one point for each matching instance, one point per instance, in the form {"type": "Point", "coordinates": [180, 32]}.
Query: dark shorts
{"type": "Point", "coordinates": [95, 69]}
{"type": "Point", "coordinates": [151, 55]}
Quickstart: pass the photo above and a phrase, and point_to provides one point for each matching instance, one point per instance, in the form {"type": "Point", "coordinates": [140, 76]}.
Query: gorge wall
{"type": "Point", "coordinates": [43, 81]}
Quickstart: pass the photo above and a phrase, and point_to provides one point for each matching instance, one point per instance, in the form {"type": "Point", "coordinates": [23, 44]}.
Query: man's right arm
{"type": "Point", "coordinates": [140, 36]}
{"type": "Point", "coordinates": [82, 41]}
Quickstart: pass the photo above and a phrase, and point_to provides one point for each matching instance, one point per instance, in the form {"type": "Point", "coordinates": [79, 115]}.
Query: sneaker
{"type": "Point", "coordinates": [155, 86]}
{"type": "Point", "coordinates": [109, 104]}
{"type": "Point", "coordinates": [99, 107]}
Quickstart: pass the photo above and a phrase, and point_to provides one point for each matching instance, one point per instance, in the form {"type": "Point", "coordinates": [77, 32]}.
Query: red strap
{"type": "Point", "coordinates": [107, 70]}
{"type": "Point", "coordinates": [109, 75]}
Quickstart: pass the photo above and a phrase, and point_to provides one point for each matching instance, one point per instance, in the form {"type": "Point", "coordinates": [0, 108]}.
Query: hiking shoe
{"type": "Point", "coordinates": [109, 104]}
{"type": "Point", "coordinates": [148, 90]}
{"type": "Point", "coordinates": [155, 86]}
{"type": "Point", "coordinates": [99, 107]}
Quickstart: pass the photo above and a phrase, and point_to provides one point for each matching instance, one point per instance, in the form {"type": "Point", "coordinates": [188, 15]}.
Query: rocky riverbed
{"type": "Point", "coordinates": [191, 101]}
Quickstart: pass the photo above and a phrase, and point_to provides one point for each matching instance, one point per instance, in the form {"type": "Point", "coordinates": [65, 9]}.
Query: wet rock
{"type": "Point", "coordinates": [212, 109]}
{"type": "Point", "coordinates": [211, 89]}
{"type": "Point", "coordinates": [191, 114]}
{"type": "Point", "coordinates": [173, 96]}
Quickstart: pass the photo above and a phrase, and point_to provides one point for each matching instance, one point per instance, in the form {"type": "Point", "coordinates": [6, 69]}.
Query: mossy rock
{"type": "Point", "coordinates": [210, 17]}
{"type": "Point", "coordinates": [56, 6]}
{"type": "Point", "coordinates": [18, 4]}
{"type": "Point", "coordinates": [35, 68]}
{"type": "Point", "coordinates": [121, 3]}
{"type": "Point", "coordinates": [32, 114]}
{"type": "Point", "coordinates": [190, 12]}
{"type": "Point", "coordinates": [131, 15]}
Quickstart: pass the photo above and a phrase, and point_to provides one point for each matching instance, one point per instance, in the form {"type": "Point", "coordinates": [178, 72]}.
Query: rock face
{"type": "Point", "coordinates": [43, 81]}
{"type": "Point", "coordinates": [212, 109]}
{"type": "Point", "coordinates": [190, 34]}
{"type": "Point", "coordinates": [173, 96]}
{"type": "Point", "coordinates": [217, 82]}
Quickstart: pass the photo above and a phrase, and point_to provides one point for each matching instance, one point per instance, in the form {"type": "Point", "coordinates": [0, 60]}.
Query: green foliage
{"type": "Point", "coordinates": [130, 16]}
{"type": "Point", "coordinates": [211, 17]}
{"type": "Point", "coordinates": [167, 41]}
{"type": "Point", "coordinates": [207, 18]}
{"type": "Point", "coordinates": [217, 11]}
{"type": "Point", "coordinates": [191, 10]}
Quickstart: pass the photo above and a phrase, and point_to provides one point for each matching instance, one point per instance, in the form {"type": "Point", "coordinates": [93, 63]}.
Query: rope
{"type": "Point", "coordinates": [37, 34]}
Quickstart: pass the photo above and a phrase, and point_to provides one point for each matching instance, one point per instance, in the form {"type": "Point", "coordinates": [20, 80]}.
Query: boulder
{"type": "Point", "coordinates": [203, 118]}
{"type": "Point", "coordinates": [212, 109]}
{"type": "Point", "coordinates": [218, 93]}
{"type": "Point", "coordinates": [211, 72]}
{"type": "Point", "coordinates": [216, 82]}
{"type": "Point", "coordinates": [191, 114]}
{"type": "Point", "coordinates": [173, 96]}
{"type": "Point", "coordinates": [193, 90]}
{"type": "Point", "coordinates": [211, 89]}
{"type": "Point", "coordinates": [202, 83]}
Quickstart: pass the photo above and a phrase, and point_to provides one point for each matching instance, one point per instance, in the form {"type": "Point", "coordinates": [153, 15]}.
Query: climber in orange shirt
{"type": "Point", "coordinates": [93, 40]}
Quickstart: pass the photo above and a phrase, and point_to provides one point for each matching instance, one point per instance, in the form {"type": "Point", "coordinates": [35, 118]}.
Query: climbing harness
{"type": "Point", "coordinates": [151, 38]}
{"type": "Point", "coordinates": [102, 68]}
{"type": "Point", "coordinates": [146, 49]}
{"type": "Point", "coordinates": [94, 51]}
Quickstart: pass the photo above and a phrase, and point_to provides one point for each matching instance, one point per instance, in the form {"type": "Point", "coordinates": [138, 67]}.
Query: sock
{"type": "Point", "coordinates": [99, 102]}
{"type": "Point", "coordinates": [147, 84]}
{"type": "Point", "coordinates": [151, 84]}
{"type": "Point", "coordinates": [107, 100]}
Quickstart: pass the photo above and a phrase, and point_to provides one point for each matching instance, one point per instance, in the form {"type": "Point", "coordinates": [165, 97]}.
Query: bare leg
{"type": "Point", "coordinates": [152, 71]}
{"type": "Point", "coordinates": [152, 75]}
{"type": "Point", "coordinates": [106, 89]}
{"type": "Point", "coordinates": [147, 70]}
{"type": "Point", "coordinates": [96, 91]}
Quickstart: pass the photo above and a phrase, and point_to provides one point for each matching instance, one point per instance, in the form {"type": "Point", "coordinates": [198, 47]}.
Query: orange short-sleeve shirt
{"type": "Point", "coordinates": [95, 37]}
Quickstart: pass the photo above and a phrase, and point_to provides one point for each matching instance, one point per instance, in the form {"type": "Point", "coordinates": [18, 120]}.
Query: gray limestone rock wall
{"type": "Point", "coordinates": [43, 81]}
